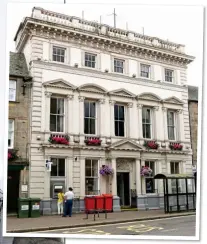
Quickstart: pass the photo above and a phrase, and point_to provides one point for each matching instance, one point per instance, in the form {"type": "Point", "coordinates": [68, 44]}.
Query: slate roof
{"type": "Point", "coordinates": [193, 93]}
{"type": "Point", "coordinates": [18, 65]}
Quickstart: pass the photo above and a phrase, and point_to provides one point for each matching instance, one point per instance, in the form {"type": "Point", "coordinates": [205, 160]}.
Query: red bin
{"type": "Point", "coordinates": [89, 204]}
{"type": "Point", "coordinates": [99, 202]}
{"type": "Point", "coordinates": [108, 202]}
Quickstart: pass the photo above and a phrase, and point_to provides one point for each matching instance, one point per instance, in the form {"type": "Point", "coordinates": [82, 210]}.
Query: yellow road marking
{"type": "Point", "coordinates": [141, 228]}
{"type": "Point", "coordinates": [87, 231]}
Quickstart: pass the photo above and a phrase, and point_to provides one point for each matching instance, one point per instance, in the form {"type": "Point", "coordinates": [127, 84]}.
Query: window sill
{"type": "Point", "coordinates": [13, 102]}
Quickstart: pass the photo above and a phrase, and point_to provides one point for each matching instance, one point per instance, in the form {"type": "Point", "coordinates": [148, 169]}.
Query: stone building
{"type": "Point", "coordinates": [18, 128]}
{"type": "Point", "coordinates": [119, 98]}
{"type": "Point", "coordinates": [193, 117]}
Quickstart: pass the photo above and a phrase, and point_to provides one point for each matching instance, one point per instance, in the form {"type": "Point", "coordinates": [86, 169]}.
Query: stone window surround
{"type": "Point", "coordinates": [125, 64]}
{"type": "Point", "coordinates": [175, 74]}
{"type": "Point", "coordinates": [151, 70]}
{"type": "Point", "coordinates": [176, 125]}
{"type": "Point", "coordinates": [94, 52]}
{"type": "Point", "coordinates": [67, 53]}
{"type": "Point", "coordinates": [97, 127]}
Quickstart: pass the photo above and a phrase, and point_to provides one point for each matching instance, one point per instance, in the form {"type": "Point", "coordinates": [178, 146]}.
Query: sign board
{"type": "Point", "coordinates": [58, 187]}
{"type": "Point", "coordinates": [24, 188]}
{"type": "Point", "coordinates": [25, 207]}
{"type": "Point", "coordinates": [35, 207]}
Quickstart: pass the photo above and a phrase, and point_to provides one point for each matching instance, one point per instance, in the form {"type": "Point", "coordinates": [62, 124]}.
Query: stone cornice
{"type": "Point", "coordinates": [63, 33]}
{"type": "Point", "coordinates": [101, 75]}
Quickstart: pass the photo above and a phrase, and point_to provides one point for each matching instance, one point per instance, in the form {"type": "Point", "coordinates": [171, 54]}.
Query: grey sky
{"type": "Point", "coordinates": [182, 25]}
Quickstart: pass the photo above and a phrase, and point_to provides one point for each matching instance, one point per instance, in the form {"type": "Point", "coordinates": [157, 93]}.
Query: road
{"type": "Point", "coordinates": [179, 226]}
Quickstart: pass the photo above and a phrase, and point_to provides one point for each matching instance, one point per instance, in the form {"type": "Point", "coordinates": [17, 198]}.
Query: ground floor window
{"type": "Point", "coordinates": [174, 170]}
{"type": "Point", "coordinates": [149, 181]}
{"type": "Point", "coordinates": [91, 177]}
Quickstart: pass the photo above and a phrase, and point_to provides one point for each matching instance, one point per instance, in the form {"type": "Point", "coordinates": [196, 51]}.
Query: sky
{"type": "Point", "coordinates": [183, 25]}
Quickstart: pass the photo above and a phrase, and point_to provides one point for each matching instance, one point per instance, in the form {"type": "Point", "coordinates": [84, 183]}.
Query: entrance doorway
{"type": "Point", "coordinates": [123, 188]}
{"type": "Point", "coordinates": [12, 190]}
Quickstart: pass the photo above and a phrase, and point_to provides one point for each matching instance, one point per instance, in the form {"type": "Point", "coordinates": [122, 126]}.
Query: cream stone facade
{"type": "Point", "coordinates": [129, 72]}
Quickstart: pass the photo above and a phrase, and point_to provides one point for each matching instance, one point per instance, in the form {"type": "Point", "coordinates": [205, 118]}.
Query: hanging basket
{"type": "Point", "coordinates": [106, 170]}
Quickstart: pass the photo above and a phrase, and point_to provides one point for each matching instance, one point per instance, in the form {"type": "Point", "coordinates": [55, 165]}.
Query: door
{"type": "Point", "coordinates": [13, 190]}
{"type": "Point", "coordinates": [123, 188]}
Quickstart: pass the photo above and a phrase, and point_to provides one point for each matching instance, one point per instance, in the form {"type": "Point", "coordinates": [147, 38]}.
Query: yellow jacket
{"type": "Point", "coordinates": [60, 197]}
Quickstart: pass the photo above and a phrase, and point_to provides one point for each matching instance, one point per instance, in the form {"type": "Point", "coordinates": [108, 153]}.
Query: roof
{"type": "Point", "coordinates": [18, 65]}
{"type": "Point", "coordinates": [193, 93]}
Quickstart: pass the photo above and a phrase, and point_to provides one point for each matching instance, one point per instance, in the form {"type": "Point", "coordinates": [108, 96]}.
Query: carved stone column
{"type": "Point", "coordinates": [114, 181]}
{"type": "Point", "coordinates": [112, 126]}
{"type": "Point", "coordinates": [69, 127]}
{"type": "Point", "coordinates": [138, 177]}
{"type": "Point", "coordinates": [102, 118]}
{"type": "Point", "coordinates": [140, 133]}
{"type": "Point", "coordinates": [81, 114]}
{"type": "Point", "coordinates": [130, 124]}
{"type": "Point", "coordinates": [165, 123]}
{"type": "Point", "coordinates": [155, 124]}
{"type": "Point", "coordinates": [47, 111]}
{"type": "Point", "coordinates": [180, 125]}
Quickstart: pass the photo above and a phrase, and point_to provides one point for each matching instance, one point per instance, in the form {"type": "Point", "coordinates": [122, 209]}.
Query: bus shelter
{"type": "Point", "coordinates": [179, 192]}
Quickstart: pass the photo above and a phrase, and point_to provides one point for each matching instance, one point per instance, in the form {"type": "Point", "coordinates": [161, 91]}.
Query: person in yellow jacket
{"type": "Point", "coordinates": [60, 202]}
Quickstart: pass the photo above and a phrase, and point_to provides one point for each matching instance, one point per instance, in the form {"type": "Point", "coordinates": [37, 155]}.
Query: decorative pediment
{"type": "Point", "coordinates": [90, 87]}
{"type": "Point", "coordinates": [59, 83]}
{"type": "Point", "coordinates": [122, 92]}
{"type": "Point", "coordinates": [173, 100]}
{"type": "Point", "coordinates": [126, 145]}
{"type": "Point", "coordinates": [149, 97]}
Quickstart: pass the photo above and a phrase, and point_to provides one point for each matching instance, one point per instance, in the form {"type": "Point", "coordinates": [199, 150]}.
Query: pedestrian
{"type": "Point", "coordinates": [60, 202]}
{"type": "Point", "coordinates": [69, 196]}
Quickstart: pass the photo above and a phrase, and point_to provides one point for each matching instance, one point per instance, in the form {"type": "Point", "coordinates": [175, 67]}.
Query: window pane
{"type": "Point", "coordinates": [12, 95]}
{"type": "Point", "coordinates": [93, 109]}
{"type": "Point", "coordinates": [86, 109]}
{"type": "Point", "coordinates": [171, 134]}
{"type": "Point", "coordinates": [148, 131]}
{"type": "Point", "coordinates": [149, 185]}
{"type": "Point", "coordinates": [61, 167]}
{"type": "Point", "coordinates": [12, 84]}
{"type": "Point", "coordinates": [60, 106]}
{"type": "Point", "coordinates": [88, 163]}
{"type": "Point", "coordinates": [53, 105]}
{"type": "Point", "coordinates": [172, 168]}
{"type": "Point", "coordinates": [86, 126]}
{"type": "Point", "coordinates": [88, 172]}
{"type": "Point", "coordinates": [54, 167]}
{"type": "Point", "coordinates": [116, 112]}
{"type": "Point", "coordinates": [116, 128]}
{"type": "Point", "coordinates": [92, 126]}
{"type": "Point", "coordinates": [144, 130]}
{"type": "Point", "coordinates": [52, 122]}
{"type": "Point", "coordinates": [176, 168]}
{"type": "Point", "coordinates": [121, 128]}
{"type": "Point", "coordinates": [147, 116]}
{"type": "Point", "coordinates": [60, 123]}
{"type": "Point", "coordinates": [121, 113]}
{"type": "Point", "coordinates": [94, 168]}
{"type": "Point", "coordinates": [91, 186]}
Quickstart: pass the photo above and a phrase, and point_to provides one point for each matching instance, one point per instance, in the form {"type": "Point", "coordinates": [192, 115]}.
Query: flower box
{"type": "Point", "coordinates": [176, 146]}
{"type": "Point", "coordinates": [151, 144]}
{"type": "Point", "coordinates": [95, 142]}
{"type": "Point", "coordinates": [106, 170]}
{"type": "Point", "coordinates": [56, 139]}
{"type": "Point", "coordinates": [146, 171]}
{"type": "Point", "coordinates": [12, 154]}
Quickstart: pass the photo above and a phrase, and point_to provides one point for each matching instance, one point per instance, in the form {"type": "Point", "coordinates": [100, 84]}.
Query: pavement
{"type": "Point", "coordinates": [4, 240]}
{"type": "Point", "coordinates": [48, 223]}
{"type": "Point", "coordinates": [176, 226]}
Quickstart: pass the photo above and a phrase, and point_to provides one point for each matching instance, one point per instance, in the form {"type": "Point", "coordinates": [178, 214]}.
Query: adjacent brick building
{"type": "Point", "coordinates": [193, 118]}
{"type": "Point", "coordinates": [18, 127]}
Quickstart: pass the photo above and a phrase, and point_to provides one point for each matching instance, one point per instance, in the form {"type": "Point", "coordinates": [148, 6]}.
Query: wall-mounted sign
{"type": "Point", "coordinates": [35, 207]}
{"type": "Point", "coordinates": [58, 187]}
{"type": "Point", "coordinates": [24, 188]}
{"type": "Point", "coordinates": [25, 207]}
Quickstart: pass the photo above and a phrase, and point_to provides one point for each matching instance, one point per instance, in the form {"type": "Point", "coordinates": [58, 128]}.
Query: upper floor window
{"type": "Point", "coordinates": [146, 122]}
{"type": "Point", "coordinates": [57, 114]}
{"type": "Point", "coordinates": [10, 133]}
{"type": "Point", "coordinates": [118, 66]}
{"type": "Point", "coordinates": [90, 60]}
{"type": "Point", "coordinates": [145, 70]}
{"type": "Point", "coordinates": [12, 90]}
{"type": "Point", "coordinates": [119, 120]}
{"type": "Point", "coordinates": [58, 54]}
{"type": "Point", "coordinates": [169, 75]}
{"type": "Point", "coordinates": [174, 168]}
{"type": "Point", "coordinates": [91, 177]}
{"type": "Point", "coordinates": [57, 167]}
{"type": "Point", "coordinates": [171, 124]}
{"type": "Point", "coordinates": [89, 117]}
{"type": "Point", "coordinates": [150, 182]}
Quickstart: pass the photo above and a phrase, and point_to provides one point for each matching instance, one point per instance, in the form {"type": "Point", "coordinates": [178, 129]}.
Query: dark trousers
{"type": "Point", "coordinates": [68, 208]}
